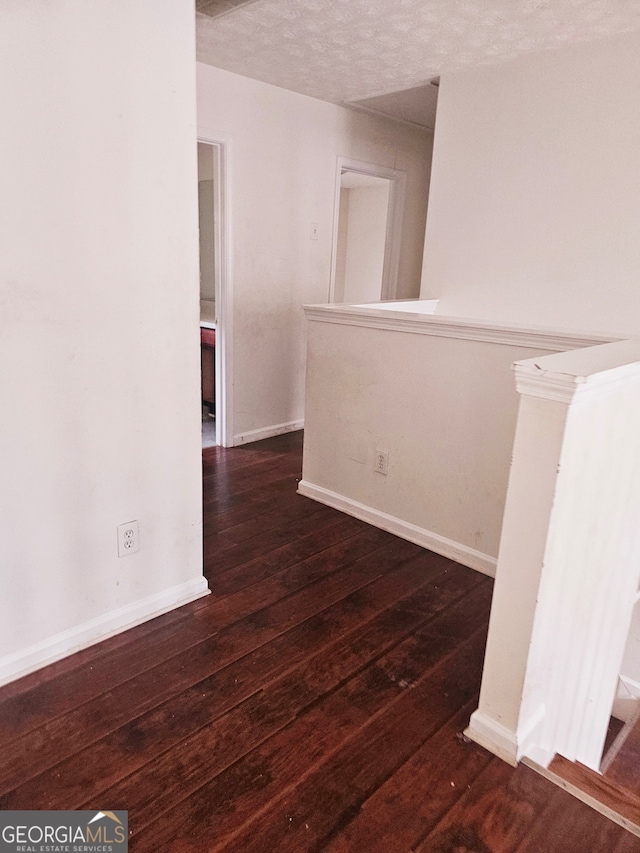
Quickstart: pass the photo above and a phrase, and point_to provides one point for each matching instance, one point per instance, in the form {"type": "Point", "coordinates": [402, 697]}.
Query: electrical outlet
{"type": "Point", "coordinates": [381, 462]}
{"type": "Point", "coordinates": [128, 538]}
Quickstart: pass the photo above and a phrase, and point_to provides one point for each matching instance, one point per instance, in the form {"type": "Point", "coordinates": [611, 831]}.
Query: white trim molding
{"type": "Point", "coordinates": [395, 215]}
{"type": "Point", "coordinates": [568, 563]}
{"type": "Point", "coordinates": [405, 530]}
{"type": "Point", "coordinates": [580, 375]}
{"type": "Point", "coordinates": [101, 628]}
{"type": "Point", "coordinates": [507, 744]}
{"type": "Point", "coordinates": [397, 320]}
{"type": "Point", "coordinates": [267, 432]}
{"type": "Point", "coordinates": [498, 739]}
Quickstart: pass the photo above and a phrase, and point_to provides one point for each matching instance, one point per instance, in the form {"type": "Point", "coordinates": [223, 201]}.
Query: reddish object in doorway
{"type": "Point", "coordinates": [208, 337]}
{"type": "Point", "coordinates": [208, 364]}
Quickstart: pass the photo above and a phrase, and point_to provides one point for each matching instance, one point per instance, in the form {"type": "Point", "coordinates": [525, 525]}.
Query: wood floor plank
{"type": "Point", "coordinates": [191, 676]}
{"type": "Point", "coordinates": [305, 816]}
{"type": "Point", "coordinates": [219, 458]}
{"type": "Point", "coordinates": [267, 519]}
{"type": "Point", "coordinates": [218, 560]}
{"type": "Point", "coordinates": [27, 711]}
{"type": "Point", "coordinates": [313, 711]}
{"type": "Point", "coordinates": [221, 462]}
{"type": "Point", "coordinates": [244, 510]}
{"type": "Point", "coordinates": [216, 501]}
{"type": "Point", "coordinates": [495, 812]}
{"type": "Point", "coordinates": [260, 717]}
{"type": "Point", "coordinates": [240, 522]}
{"type": "Point", "coordinates": [289, 579]}
{"type": "Point", "coordinates": [616, 798]}
{"type": "Point", "coordinates": [627, 843]}
{"type": "Point", "coordinates": [224, 496]}
{"type": "Point", "coordinates": [261, 474]}
{"type": "Point", "coordinates": [574, 828]}
{"type": "Point", "coordinates": [426, 786]}
{"type": "Point", "coordinates": [222, 465]}
{"type": "Point", "coordinates": [296, 507]}
{"type": "Point", "coordinates": [86, 657]}
{"type": "Point", "coordinates": [336, 530]}
{"type": "Point", "coordinates": [262, 505]}
{"type": "Point", "coordinates": [222, 806]}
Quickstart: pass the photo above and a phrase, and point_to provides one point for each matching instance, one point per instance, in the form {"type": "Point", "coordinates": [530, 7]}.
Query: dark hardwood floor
{"type": "Point", "coordinates": [313, 702]}
{"type": "Point", "coordinates": [617, 787]}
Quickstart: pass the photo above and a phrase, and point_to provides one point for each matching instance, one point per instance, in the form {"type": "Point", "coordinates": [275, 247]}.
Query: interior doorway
{"type": "Point", "coordinates": [367, 232]}
{"type": "Point", "coordinates": [215, 289]}
{"type": "Point", "coordinates": [208, 239]}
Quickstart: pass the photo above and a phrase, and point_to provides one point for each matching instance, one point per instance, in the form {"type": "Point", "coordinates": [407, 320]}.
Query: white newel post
{"type": "Point", "coordinates": [569, 559]}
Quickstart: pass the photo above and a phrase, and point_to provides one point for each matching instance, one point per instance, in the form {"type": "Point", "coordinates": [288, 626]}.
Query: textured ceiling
{"type": "Point", "coordinates": [346, 50]}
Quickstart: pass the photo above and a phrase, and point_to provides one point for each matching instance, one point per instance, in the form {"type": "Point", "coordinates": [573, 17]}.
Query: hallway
{"type": "Point", "coordinates": [313, 702]}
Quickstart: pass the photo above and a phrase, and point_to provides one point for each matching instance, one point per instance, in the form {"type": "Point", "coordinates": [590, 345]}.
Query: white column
{"type": "Point", "coordinates": [569, 557]}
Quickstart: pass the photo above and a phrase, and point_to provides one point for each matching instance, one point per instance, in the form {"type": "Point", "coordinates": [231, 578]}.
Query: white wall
{"type": "Point", "coordinates": [440, 398]}
{"type": "Point", "coordinates": [367, 233]}
{"type": "Point", "coordinates": [534, 204]}
{"type": "Point", "coordinates": [284, 153]}
{"type": "Point", "coordinates": [99, 364]}
{"type": "Point", "coordinates": [414, 396]}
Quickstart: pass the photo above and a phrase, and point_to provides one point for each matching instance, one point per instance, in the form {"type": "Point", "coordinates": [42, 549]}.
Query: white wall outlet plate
{"type": "Point", "coordinates": [128, 538]}
{"type": "Point", "coordinates": [381, 462]}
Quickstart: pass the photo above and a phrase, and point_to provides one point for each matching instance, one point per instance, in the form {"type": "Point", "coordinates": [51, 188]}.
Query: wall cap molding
{"type": "Point", "coordinates": [572, 377]}
{"type": "Point", "coordinates": [454, 327]}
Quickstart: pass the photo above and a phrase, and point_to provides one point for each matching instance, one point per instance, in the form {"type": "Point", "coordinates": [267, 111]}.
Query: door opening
{"type": "Point", "coordinates": [207, 222]}
{"type": "Point", "coordinates": [366, 233]}
{"type": "Point", "coordinates": [215, 289]}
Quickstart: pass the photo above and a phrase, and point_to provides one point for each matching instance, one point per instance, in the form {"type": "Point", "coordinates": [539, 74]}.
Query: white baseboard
{"type": "Point", "coordinates": [101, 628]}
{"type": "Point", "coordinates": [493, 736]}
{"type": "Point", "coordinates": [405, 530]}
{"type": "Point", "coordinates": [267, 432]}
{"type": "Point", "coordinates": [530, 737]}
